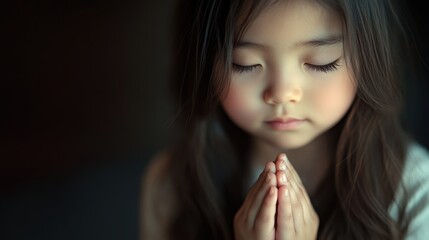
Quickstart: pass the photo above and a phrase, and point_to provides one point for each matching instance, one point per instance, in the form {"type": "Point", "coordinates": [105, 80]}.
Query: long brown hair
{"type": "Point", "coordinates": [209, 157]}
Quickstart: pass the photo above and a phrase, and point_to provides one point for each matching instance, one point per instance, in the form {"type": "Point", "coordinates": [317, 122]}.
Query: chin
{"type": "Point", "coordinates": [290, 144]}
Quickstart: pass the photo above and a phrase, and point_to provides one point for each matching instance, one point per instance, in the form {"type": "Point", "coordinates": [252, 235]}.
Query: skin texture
{"type": "Point", "coordinates": [282, 72]}
{"type": "Point", "coordinates": [282, 82]}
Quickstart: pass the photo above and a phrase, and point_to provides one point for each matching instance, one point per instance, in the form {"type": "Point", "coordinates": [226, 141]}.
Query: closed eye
{"type": "Point", "coordinates": [324, 68]}
{"type": "Point", "coordinates": [242, 69]}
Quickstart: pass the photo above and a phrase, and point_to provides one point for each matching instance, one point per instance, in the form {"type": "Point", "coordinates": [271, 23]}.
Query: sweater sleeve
{"type": "Point", "coordinates": [416, 183]}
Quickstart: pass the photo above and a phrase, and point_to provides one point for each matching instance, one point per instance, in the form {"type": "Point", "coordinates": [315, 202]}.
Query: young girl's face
{"type": "Point", "coordinates": [290, 82]}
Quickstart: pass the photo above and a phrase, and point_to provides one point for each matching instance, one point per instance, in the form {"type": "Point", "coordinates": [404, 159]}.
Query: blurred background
{"type": "Point", "coordinates": [83, 107]}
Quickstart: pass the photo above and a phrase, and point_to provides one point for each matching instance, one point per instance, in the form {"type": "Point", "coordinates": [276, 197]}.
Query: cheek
{"type": "Point", "coordinates": [335, 99]}
{"type": "Point", "coordinates": [240, 105]}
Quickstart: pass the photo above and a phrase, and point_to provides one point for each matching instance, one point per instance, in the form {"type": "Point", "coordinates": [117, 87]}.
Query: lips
{"type": "Point", "coordinates": [284, 124]}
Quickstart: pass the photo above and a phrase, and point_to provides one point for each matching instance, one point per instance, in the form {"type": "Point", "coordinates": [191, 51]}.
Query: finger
{"type": "Point", "coordinates": [298, 204]}
{"type": "Point", "coordinates": [289, 166]}
{"type": "Point", "coordinates": [285, 228]}
{"type": "Point", "coordinates": [281, 178]}
{"type": "Point", "coordinates": [294, 175]}
{"type": "Point", "coordinates": [299, 190]}
{"type": "Point", "coordinates": [297, 201]}
{"type": "Point", "coordinates": [282, 173]}
{"type": "Point", "coordinates": [306, 205]}
{"type": "Point", "coordinates": [254, 189]}
{"type": "Point", "coordinates": [265, 220]}
{"type": "Point", "coordinates": [281, 162]}
{"type": "Point", "coordinates": [270, 166]}
{"type": "Point", "coordinates": [255, 206]}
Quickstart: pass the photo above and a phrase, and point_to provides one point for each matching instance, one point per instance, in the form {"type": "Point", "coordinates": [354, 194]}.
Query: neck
{"type": "Point", "coordinates": [311, 161]}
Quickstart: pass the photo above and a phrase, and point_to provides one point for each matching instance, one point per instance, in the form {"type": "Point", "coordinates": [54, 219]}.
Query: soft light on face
{"type": "Point", "coordinates": [290, 82]}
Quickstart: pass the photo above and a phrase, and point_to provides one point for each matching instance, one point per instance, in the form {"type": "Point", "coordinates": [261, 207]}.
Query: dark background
{"type": "Point", "coordinates": [83, 107]}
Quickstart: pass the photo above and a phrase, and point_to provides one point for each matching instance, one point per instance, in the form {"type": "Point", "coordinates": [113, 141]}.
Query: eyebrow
{"type": "Point", "coordinates": [316, 42]}
{"type": "Point", "coordinates": [325, 41]}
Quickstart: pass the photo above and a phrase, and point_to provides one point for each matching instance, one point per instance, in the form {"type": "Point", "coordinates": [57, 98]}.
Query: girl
{"type": "Point", "coordinates": [290, 126]}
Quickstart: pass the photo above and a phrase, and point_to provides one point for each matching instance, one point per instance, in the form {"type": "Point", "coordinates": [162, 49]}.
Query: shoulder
{"type": "Point", "coordinates": [416, 191]}
{"type": "Point", "coordinates": [416, 169]}
{"type": "Point", "coordinates": [156, 198]}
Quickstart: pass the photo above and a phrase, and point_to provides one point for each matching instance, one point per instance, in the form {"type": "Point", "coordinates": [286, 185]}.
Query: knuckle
{"type": "Point", "coordinates": [269, 166]}
{"type": "Point", "coordinates": [315, 218]}
{"type": "Point", "coordinates": [281, 177]}
{"type": "Point", "coordinates": [300, 197]}
{"type": "Point", "coordinates": [260, 221]}
{"type": "Point", "coordinates": [270, 179]}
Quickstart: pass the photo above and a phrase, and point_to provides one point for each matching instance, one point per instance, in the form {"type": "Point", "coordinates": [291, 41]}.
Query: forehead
{"type": "Point", "coordinates": [288, 22]}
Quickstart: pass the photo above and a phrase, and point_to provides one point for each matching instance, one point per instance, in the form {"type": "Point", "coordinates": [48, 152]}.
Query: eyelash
{"type": "Point", "coordinates": [324, 68]}
{"type": "Point", "coordinates": [242, 69]}
{"type": "Point", "coordinates": [320, 68]}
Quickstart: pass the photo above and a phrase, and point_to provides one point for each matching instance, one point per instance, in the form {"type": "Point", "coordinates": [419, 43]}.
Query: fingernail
{"type": "Point", "coordinates": [283, 157]}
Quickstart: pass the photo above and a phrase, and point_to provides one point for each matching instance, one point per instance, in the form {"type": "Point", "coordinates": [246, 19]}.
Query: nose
{"type": "Point", "coordinates": [282, 93]}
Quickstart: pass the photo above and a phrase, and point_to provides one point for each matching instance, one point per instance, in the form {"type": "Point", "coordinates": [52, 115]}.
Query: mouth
{"type": "Point", "coordinates": [285, 124]}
